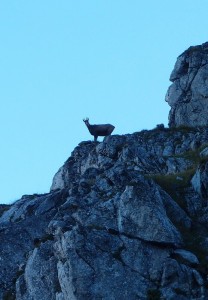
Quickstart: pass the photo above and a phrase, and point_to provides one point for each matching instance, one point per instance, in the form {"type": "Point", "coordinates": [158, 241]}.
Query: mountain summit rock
{"type": "Point", "coordinates": [188, 94]}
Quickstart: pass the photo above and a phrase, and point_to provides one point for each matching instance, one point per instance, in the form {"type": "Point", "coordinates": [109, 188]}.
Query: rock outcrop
{"type": "Point", "coordinates": [126, 218]}
{"type": "Point", "coordinates": [188, 94]}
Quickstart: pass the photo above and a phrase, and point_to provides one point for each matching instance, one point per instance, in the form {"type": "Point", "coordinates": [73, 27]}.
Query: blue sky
{"type": "Point", "coordinates": [61, 61]}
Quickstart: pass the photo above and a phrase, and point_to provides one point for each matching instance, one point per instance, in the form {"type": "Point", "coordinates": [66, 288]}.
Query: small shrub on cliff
{"type": "Point", "coordinates": [172, 181]}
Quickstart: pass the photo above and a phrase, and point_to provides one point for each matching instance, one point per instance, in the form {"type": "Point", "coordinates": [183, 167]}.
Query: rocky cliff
{"type": "Point", "coordinates": [126, 218]}
{"type": "Point", "coordinates": [188, 95]}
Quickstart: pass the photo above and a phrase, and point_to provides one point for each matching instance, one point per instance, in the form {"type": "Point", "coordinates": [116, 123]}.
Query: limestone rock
{"type": "Point", "coordinates": [39, 277]}
{"type": "Point", "coordinates": [115, 223]}
{"type": "Point", "coordinates": [188, 94]}
{"type": "Point", "coordinates": [200, 180]}
{"type": "Point", "coordinates": [134, 208]}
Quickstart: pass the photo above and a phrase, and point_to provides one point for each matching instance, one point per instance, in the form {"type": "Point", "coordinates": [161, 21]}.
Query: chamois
{"type": "Point", "coordinates": [99, 130]}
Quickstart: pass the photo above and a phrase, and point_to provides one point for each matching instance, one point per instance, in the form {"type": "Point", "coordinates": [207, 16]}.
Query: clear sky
{"type": "Point", "coordinates": [61, 61]}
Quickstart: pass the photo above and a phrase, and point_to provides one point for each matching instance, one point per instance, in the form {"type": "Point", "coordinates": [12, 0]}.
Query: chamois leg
{"type": "Point", "coordinates": [95, 138]}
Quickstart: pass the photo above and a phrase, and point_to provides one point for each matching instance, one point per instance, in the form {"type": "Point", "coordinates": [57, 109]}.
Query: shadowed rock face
{"type": "Point", "coordinates": [188, 94]}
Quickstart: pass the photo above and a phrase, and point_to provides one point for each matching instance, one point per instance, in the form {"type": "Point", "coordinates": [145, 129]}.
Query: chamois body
{"type": "Point", "coordinates": [99, 130]}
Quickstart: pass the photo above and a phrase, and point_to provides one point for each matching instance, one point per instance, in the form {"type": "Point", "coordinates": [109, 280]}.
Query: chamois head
{"type": "Point", "coordinates": [99, 130]}
{"type": "Point", "coordinates": [86, 120]}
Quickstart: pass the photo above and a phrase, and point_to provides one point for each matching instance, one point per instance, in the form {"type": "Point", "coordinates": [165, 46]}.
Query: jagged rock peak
{"type": "Point", "coordinates": [188, 94]}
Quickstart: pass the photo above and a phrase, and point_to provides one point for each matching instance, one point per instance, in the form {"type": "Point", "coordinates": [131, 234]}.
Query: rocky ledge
{"type": "Point", "coordinates": [125, 219]}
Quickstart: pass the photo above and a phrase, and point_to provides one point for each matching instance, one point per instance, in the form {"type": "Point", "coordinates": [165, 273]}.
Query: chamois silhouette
{"type": "Point", "coordinates": [99, 130]}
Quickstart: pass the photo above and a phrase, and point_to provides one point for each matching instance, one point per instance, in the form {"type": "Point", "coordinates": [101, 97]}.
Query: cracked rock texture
{"type": "Point", "coordinates": [188, 94]}
{"type": "Point", "coordinates": [126, 218]}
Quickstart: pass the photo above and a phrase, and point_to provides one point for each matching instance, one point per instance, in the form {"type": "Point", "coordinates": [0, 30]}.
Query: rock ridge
{"type": "Point", "coordinates": [125, 218]}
